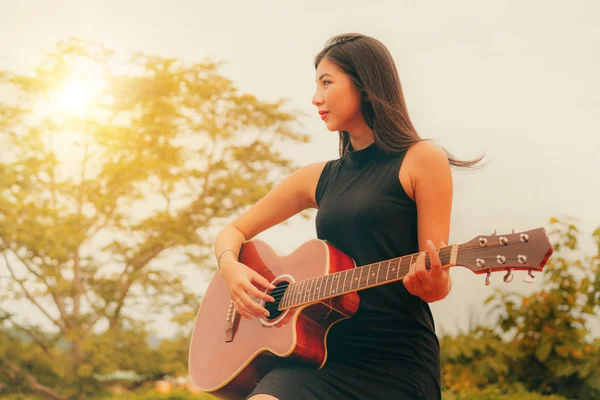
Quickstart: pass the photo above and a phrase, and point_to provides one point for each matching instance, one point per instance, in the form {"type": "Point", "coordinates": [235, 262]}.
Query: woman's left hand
{"type": "Point", "coordinates": [432, 285]}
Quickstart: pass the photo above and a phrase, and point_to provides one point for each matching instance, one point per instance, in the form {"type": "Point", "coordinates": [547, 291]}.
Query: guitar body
{"type": "Point", "coordinates": [229, 354]}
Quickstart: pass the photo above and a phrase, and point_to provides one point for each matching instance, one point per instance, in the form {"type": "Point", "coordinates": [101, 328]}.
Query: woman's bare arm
{"type": "Point", "coordinates": [432, 186]}
{"type": "Point", "coordinates": [293, 194]}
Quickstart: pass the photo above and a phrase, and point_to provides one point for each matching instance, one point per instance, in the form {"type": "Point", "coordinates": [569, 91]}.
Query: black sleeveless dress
{"type": "Point", "coordinates": [388, 349]}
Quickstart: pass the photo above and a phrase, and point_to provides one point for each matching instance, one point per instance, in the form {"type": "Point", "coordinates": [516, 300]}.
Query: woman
{"type": "Point", "coordinates": [367, 203]}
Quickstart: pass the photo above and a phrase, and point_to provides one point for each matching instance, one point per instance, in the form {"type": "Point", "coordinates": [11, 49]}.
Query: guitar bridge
{"type": "Point", "coordinates": [230, 323]}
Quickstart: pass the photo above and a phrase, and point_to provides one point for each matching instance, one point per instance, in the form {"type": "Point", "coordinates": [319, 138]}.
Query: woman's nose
{"type": "Point", "coordinates": [317, 99]}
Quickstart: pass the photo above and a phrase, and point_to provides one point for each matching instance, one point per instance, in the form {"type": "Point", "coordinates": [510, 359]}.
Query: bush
{"type": "Point", "coordinates": [17, 396]}
{"type": "Point", "coordinates": [495, 393]}
{"type": "Point", "coordinates": [175, 394]}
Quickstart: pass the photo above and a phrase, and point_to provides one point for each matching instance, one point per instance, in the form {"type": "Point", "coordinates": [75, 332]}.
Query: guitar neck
{"type": "Point", "coordinates": [352, 280]}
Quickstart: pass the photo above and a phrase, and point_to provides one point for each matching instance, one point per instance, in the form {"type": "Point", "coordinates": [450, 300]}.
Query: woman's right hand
{"type": "Point", "coordinates": [241, 281]}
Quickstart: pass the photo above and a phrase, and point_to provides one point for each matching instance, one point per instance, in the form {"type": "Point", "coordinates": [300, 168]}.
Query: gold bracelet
{"type": "Point", "coordinates": [219, 258]}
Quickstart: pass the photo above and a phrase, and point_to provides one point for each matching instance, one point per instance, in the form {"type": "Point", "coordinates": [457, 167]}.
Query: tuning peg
{"type": "Point", "coordinates": [509, 276]}
{"type": "Point", "coordinates": [529, 278]}
{"type": "Point", "coordinates": [488, 278]}
{"type": "Point", "coordinates": [494, 233]}
{"type": "Point", "coordinates": [513, 231]}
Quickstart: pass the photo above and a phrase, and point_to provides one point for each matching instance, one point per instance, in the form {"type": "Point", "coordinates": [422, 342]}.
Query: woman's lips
{"type": "Point", "coordinates": [324, 115]}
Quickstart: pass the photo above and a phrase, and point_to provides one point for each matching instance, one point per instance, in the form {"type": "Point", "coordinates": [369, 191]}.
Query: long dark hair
{"type": "Point", "coordinates": [372, 69]}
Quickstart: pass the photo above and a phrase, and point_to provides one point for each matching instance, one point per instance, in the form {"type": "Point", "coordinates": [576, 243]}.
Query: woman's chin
{"type": "Point", "coordinates": [331, 127]}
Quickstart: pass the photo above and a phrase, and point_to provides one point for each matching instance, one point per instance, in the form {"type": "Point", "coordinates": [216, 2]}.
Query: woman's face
{"type": "Point", "coordinates": [337, 95]}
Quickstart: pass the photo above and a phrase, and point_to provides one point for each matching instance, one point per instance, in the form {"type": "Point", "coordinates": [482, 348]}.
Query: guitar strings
{"type": "Point", "coordinates": [404, 269]}
{"type": "Point", "coordinates": [467, 250]}
{"type": "Point", "coordinates": [278, 294]}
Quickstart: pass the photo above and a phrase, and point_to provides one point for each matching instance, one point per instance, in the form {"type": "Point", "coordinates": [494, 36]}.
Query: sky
{"type": "Point", "coordinates": [515, 81]}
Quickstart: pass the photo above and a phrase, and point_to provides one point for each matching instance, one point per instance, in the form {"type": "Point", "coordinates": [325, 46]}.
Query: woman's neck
{"type": "Point", "coordinates": [361, 136]}
{"type": "Point", "coordinates": [359, 143]}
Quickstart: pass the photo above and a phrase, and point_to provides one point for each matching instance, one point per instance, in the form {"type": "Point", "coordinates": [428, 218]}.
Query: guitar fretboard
{"type": "Point", "coordinates": [354, 279]}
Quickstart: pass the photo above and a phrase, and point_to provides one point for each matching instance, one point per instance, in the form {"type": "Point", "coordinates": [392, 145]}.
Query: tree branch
{"type": "Point", "coordinates": [30, 297]}
{"type": "Point", "coordinates": [33, 383]}
{"type": "Point", "coordinates": [82, 175]}
{"type": "Point", "coordinates": [29, 268]}
{"type": "Point", "coordinates": [35, 338]}
{"type": "Point", "coordinates": [105, 222]}
{"type": "Point", "coordinates": [165, 195]}
{"type": "Point", "coordinates": [102, 313]}
{"type": "Point", "coordinates": [125, 288]}
{"type": "Point", "coordinates": [77, 284]}
{"type": "Point", "coordinates": [53, 185]}
{"type": "Point", "coordinates": [115, 317]}
{"type": "Point", "coordinates": [115, 179]}
{"type": "Point", "coordinates": [143, 262]}
{"type": "Point", "coordinates": [57, 300]}
{"type": "Point", "coordinates": [209, 167]}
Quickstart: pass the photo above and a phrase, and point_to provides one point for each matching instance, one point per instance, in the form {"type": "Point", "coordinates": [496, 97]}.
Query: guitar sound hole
{"type": "Point", "coordinates": [277, 294]}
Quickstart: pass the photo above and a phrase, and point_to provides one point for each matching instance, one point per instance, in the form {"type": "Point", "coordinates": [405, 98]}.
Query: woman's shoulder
{"type": "Point", "coordinates": [426, 157]}
{"type": "Point", "coordinates": [425, 152]}
{"type": "Point", "coordinates": [423, 160]}
{"type": "Point", "coordinates": [314, 168]}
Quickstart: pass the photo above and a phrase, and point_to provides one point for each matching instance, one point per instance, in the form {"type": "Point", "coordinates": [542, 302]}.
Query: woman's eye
{"type": "Point", "coordinates": [325, 83]}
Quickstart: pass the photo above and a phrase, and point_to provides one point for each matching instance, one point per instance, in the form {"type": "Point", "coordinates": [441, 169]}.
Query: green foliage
{"type": "Point", "coordinates": [176, 394]}
{"type": "Point", "coordinates": [474, 360]}
{"type": "Point", "coordinates": [550, 348]}
{"type": "Point", "coordinates": [495, 393]}
{"type": "Point", "coordinates": [172, 355]}
{"type": "Point", "coordinates": [20, 361]}
{"type": "Point", "coordinates": [96, 196]}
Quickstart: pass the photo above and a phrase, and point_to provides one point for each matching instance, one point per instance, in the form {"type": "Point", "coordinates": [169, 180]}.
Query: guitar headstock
{"type": "Point", "coordinates": [528, 250]}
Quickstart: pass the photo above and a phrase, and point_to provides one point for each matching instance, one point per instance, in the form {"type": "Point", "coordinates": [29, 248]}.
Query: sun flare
{"type": "Point", "coordinates": [76, 94]}
{"type": "Point", "coordinates": [73, 97]}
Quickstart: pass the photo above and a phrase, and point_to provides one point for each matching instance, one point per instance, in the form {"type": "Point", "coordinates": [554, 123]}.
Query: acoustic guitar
{"type": "Point", "coordinates": [316, 286]}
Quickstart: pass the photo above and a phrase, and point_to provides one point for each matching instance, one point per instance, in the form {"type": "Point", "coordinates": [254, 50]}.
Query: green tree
{"type": "Point", "coordinates": [109, 167]}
